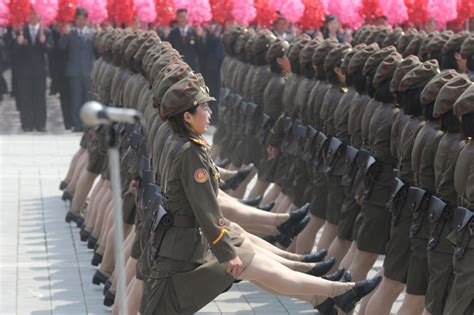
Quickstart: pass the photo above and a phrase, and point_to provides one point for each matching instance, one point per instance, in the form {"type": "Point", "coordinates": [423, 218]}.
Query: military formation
{"type": "Point", "coordinates": [369, 144]}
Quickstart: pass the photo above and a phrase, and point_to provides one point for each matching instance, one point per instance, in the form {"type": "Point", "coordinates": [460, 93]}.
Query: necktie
{"type": "Point", "coordinates": [33, 35]}
{"type": "Point", "coordinates": [183, 36]}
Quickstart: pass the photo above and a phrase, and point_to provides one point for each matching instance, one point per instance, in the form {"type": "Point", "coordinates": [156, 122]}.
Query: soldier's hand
{"type": "Point", "coordinates": [235, 267]}
{"type": "Point", "coordinates": [21, 38]}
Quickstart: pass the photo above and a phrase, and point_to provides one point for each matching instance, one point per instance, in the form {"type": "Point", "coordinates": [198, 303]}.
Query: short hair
{"type": "Point", "coordinates": [82, 12]}
{"type": "Point", "coordinates": [181, 11]}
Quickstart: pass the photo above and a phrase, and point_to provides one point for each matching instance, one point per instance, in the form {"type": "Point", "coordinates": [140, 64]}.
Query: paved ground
{"type": "Point", "coordinates": [44, 268]}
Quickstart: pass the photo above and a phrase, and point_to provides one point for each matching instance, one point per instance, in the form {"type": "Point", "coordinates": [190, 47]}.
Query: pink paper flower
{"type": "Point", "coordinates": [442, 11]}
{"type": "Point", "coordinates": [46, 9]}
{"type": "Point", "coordinates": [145, 10]}
{"type": "Point", "coordinates": [395, 11]}
{"type": "Point", "coordinates": [292, 10]}
{"type": "Point", "coordinates": [4, 12]}
{"type": "Point", "coordinates": [97, 10]}
{"type": "Point", "coordinates": [243, 11]}
{"type": "Point", "coordinates": [199, 11]}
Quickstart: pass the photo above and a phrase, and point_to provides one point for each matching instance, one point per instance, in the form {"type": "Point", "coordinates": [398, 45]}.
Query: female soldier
{"type": "Point", "coordinates": [186, 275]}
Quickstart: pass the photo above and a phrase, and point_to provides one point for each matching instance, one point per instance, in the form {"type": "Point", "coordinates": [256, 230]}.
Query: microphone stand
{"type": "Point", "coordinates": [114, 167]}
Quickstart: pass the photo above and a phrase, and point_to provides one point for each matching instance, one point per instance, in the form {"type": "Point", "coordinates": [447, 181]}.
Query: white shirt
{"type": "Point", "coordinates": [33, 31]}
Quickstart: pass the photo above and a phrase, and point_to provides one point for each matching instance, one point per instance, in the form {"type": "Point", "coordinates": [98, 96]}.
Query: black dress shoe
{"type": "Point", "coordinates": [234, 182]}
{"type": "Point", "coordinates": [223, 163]}
{"type": "Point", "coordinates": [252, 202]}
{"type": "Point", "coordinates": [296, 216]}
{"type": "Point", "coordinates": [326, 308]}
{"type": "Point", "coordinates": [27, 129]}
{"type": "Point", "coordinates": [41, 129]}
{"type": "Point", "coordinates": [84, 235]}
{"type": "Point", "coordinates": [75, 218]}
{"type": "Point", "coordinates": [62, 185]}
{"type": "Point", "coordinates": [77, 129]}
{"type": "Point", "coordinates": [66, 196]}
{"type": "Point", "coordinates": [96, 259]}
{"type": "Point", "coordinates": [109, 299]}
{"type": "Point", "coordinates": [336, 276]}
{"type": "Point", "coordinates": [270, 239]}
{"type": "Point", "coordinates": [320, 269]}
{"type": "Point", "coordinates": [315, 257]}
{"type": "Point", "coordinates": [347, 301]}
{"type": "Point", "coordinates": [268, 207]}
{"type": "Point", "coordinates": [99, 278]}
{"type": "Point", "coordinates": [284, 240]}
{"type": "Point", "coordinates": [91, 241]}
{"type": "Point", "coordinates": [107, 286]}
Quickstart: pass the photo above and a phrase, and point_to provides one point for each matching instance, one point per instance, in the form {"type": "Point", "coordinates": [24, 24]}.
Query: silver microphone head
{"type": "Point", "coordinates": [89, 113]}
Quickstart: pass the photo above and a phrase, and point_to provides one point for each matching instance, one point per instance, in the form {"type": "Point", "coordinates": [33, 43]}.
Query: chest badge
{"type": "Point", "coordinates": [201, 175]}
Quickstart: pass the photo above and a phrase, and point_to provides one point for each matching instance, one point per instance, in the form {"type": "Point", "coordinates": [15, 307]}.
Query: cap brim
{"type": "Point", "coordinates": [204, 98]}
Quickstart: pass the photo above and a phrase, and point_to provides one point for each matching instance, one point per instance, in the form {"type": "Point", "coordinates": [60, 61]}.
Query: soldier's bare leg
{"type": "Point", "coordinates": [338, 249]}
{"type": "Point", "coordinates": [93, 199]}
{"type": "Point", "coordinates": [349, 258]}
{"type": "Point", "coordinates": [226, 174]}
{"type": "Point", "coordinates": [286, 204]}
{"type": "Point", "coordinates": [362, 263]}
{"type": "Point", "coordinates": [259, 189]}
{"type": "Point", "coordinates": [306, 239]}
{"type": "Point", "coordinates": [74, 164]}
{"type": "Point", "coordinates": [271, 194]}
{"type": "Point", "coordinates": [130, 263]}
{"type": "Point", "coordinates": [81, 167]}
{"type": "Point", "coordinates": [261, 230]}
{"type": "Point", "coordinates": [284, 281]}
{"type": "Point", "coordinates": [315, 301]}
{"type": "Point", "coordinates": [103, 196]}
{"type": "Point", "coordinates": [328, 236]}
{"type": "Point", "coordinates": [102, 211]}
{"type": "Point", "coordinates": [279, 200]}
{"type": "Point", "coordinates": [383, 298]}
{"type": "Point", "coordinates": [240, 191]}
{"type": "Point", "coordinates": [108, 260]}
{"type": "Point", "coordinates": [215, 150]}
{"type": "Point", "coordinates": [103, 228]}
{"type": "Point", "coordinates": [412, 304]}
{"type": "Point", "coordinates": [135, 295]}
{"type": "Point", "coordinates": [83, 188]}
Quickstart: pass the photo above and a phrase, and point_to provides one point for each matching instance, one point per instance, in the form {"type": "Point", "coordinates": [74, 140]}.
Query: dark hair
{"type": "Point", "coordinates": [450, 122]}
{"type": "Point", "coordinates": [467, 125]}
{"type": "Point", "coordinates": [360, 83]}
{"type": "Point", "coordinates": [259, 59]}
{"type": "Point", "coordinates": [428, 112]}
{"type": "Point", "coordinates": [383, 94]}
{"type": "Point", "coordinates": [349, 80]}
{"type": "Point", "coordinates": [308, 70]}
{"type": "Point", "coordinates": [449, 61]}
{"type": "Point", "coordinates": [438, 55]}
{"type": "Point", "coordinates": [370, 88]}
{"type": "Point", "coordinates": [177, 123]}
{"type": "Point", "coordinates": [295, 66]}
{"type": "Point", "coordinates": [332, 77]}
{"type": "Point", "coordinates": [470, 63]}
{"type": "Point", "coordinates": [321, 74]}
{"type": "Point", "coordinates": [81, 12]}
{"type": "Point", "coordinates": [181, 11]}
{"type": "Point", "coordinates": [411, 102]}
{"type": "Point", "coordinates": [275, 67]}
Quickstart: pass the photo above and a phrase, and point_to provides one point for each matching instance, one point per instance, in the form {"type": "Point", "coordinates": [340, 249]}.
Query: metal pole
{"type": "Point", "coordinates": [114, 165]}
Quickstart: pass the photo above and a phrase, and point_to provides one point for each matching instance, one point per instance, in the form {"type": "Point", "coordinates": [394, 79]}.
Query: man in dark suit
{"type": "Point", "coordinates": [78, 42]}
{"type": "Point", "coordinates": [186, 40]}
{"type": "Point", "coordinates": [30, 48]}
{"type": "Point", "coordinates": [57, 71]}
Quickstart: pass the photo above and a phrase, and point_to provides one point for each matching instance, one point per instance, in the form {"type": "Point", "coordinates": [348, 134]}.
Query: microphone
{"type": "Point", "coordinates": [93, 114]}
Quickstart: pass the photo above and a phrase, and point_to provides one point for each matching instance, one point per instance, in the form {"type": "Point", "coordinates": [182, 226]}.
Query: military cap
{"type": "Point", "coordinates": [437, 42]}
{"type": "Point", "coordinates": [173, 74]}
{"type": "Point", "coordinates": [432, 88]}
{"type": "Point", "coordinates": [296, 47]}
{"type": "Point", "coordinates": [262, 41]}
{"type": "Point", "coordinates": [419, 76]}
{"type": "Point", "coordinates": [381, 35]}
{"type": "Point", "coordinates": [277, 49]}
{"type": "Point", "coordinates": [455, 42]}
{"type": "Point", "coordinates": [323, 49]}
{"type": "Point", "coordinates": [110, 40]}
{"type": "Point", "coordinates": [307, 52]}
{"type": "Point", "coordinates": [184, 95]}
{"type": "Point", "coordinates": [133, 46]}
{"type": "Point", "coordinates": [386, 69]}
{"type": "Point", "coordinates": [467, 47]}
{"type": "Point", "coordinates": [230, 37]}
{"type": "Point", "coordinates": [361, 34]}
{"type": "Point", "coordinates": [393, 38]}
{"type": "Point", "coordinates": [249, 45]}
{"type": "Point", "coordinates": [348, 56]}
{"type": "Point", "coordinates": [450, 94]}
{"type": "Point", "coordinates": [304, 37]}
{"type": "Point", "coordinates": [424, 45]}
{"type": "Point", "coordinates": [403, 68]}
{"type": "Point", "coordinates": [375, 59]}
{"type": "Point", "coordinates": [414, 45]}
{"type": "Point", "coordinates": [241, 42]}
{"type": "Point", "coordinates": [360, 58]}
{"type": "Point", "coordinates": [149, 43]}
{"type": "Point", "coordinates": [405, 39]}
{"type": "Point", "coordinates": [335, 56]}
{"type": "Point", "coordinates": [373, 32]}
{"type": "Point", "coordinates": [465, 102]}
{"type": "Point", "coordinates": [163, 62]}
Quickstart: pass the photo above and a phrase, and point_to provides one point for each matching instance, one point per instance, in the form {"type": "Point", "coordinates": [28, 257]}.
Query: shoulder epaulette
{"type": "Point", "coordinates": [344, 89]}
{"type": "Point", "coordinates": [200, 142]}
